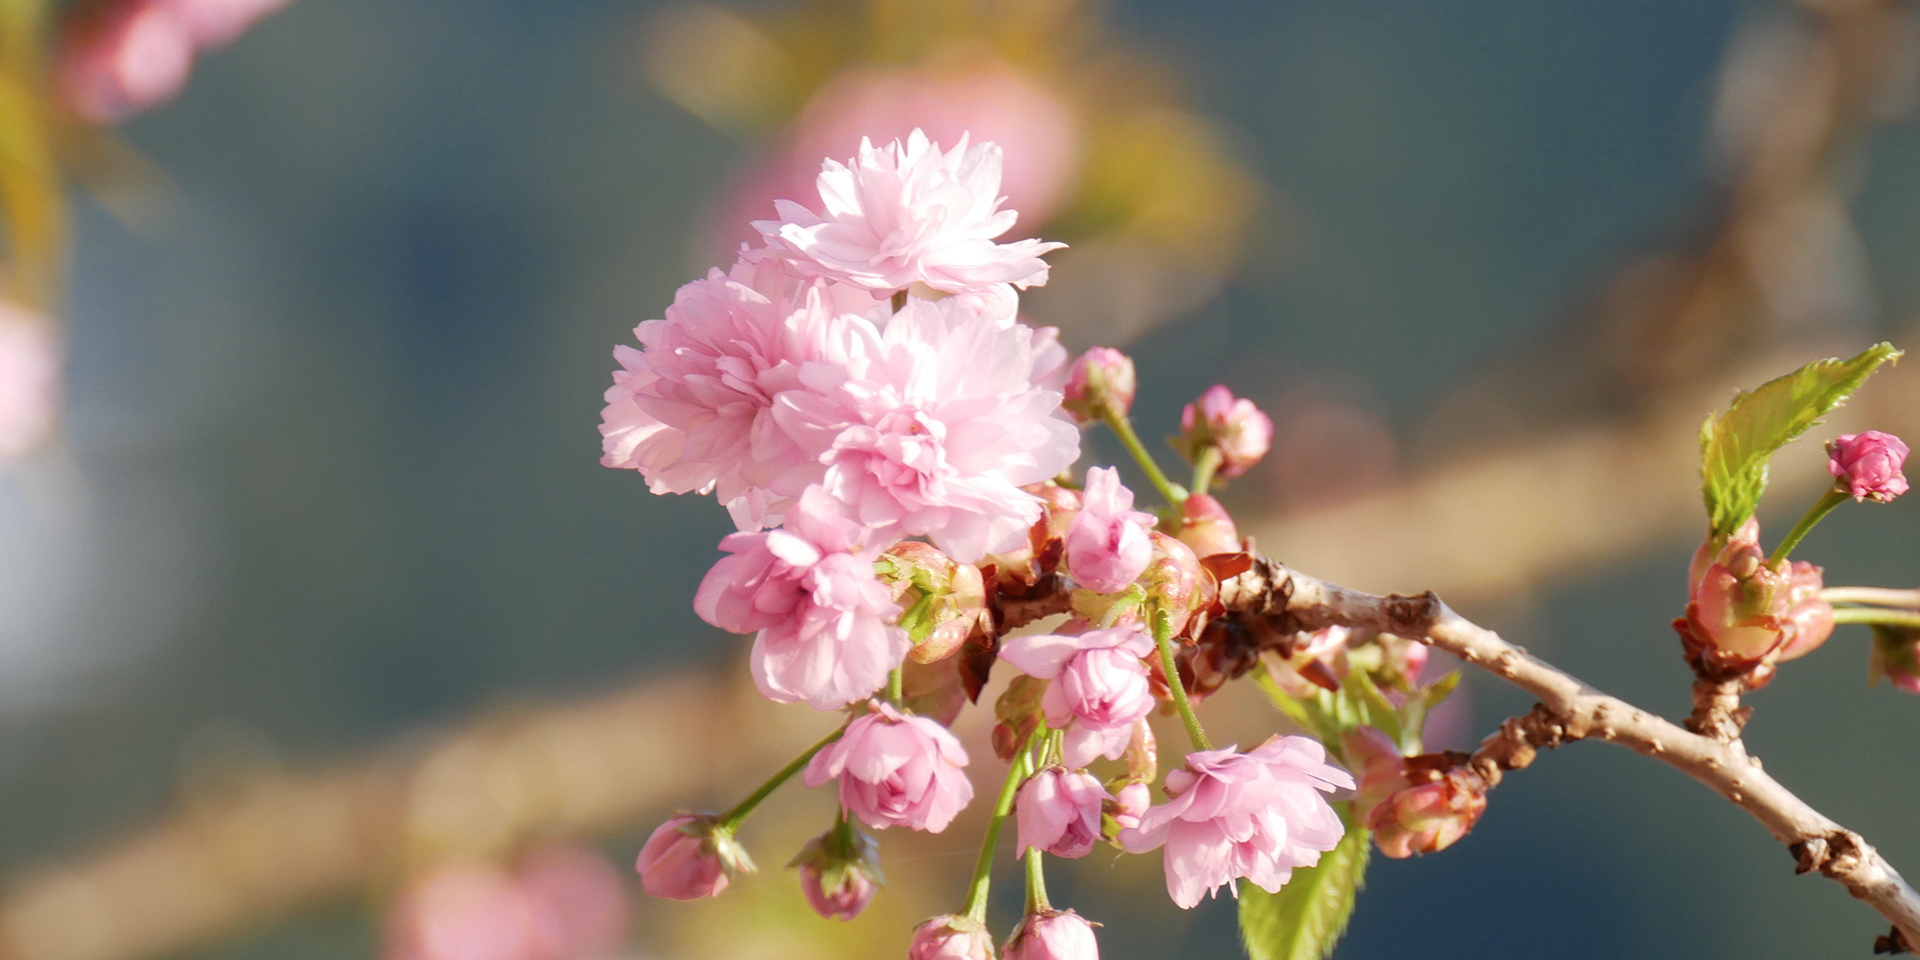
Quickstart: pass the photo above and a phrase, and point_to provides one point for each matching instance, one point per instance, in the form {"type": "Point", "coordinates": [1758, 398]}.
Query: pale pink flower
{"type": "Point", "coordinates": [579, 906]}
{"type": "Point", "coordinates": [463, 912]}
{"type": "Point", "coordinates": [689, 857]}
{"type": "Point", "coordinates": [824, 620]}
{"type": "Point", "coordinates": [1099, 686]}
{"type": "Point", "coordinates": [895, 770]}
{"type": "Point", "coordinates": [29, 380]}
{"type": "Point", "coordinates": [1108, 546]}
{"type": "Point", "coordinates": [908, 213]}
{"type": "Point", "coordinates": [1051, 361]}
{"type": "Point", "coordinates": [950, 937]}
{"type": "Point", "coordinates": [1052, 935]}
{"type": "Point", "coordinates": [929, 425]}
{"type": "Point", "coordinates": [1868, 464]}
{"type": "Point", "coordinates": [119, 59]}
{"type": "Point", "coordinates": [1058, 812]}
{"type": "Point", "coordinates": [1256, 815]}
{"type": "Point", "coordinates": [1233, 426]}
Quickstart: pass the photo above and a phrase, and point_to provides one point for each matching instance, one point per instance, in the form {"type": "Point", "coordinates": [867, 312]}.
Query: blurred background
{"type": "Point", "coordinates": [321, 624]}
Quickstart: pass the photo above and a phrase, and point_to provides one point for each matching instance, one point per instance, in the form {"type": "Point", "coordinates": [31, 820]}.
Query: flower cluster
{"type": "Point", "coordinates": [122, 57]}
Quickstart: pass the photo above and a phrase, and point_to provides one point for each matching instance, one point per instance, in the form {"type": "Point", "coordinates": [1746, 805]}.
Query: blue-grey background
{"type": "Point", "coordinates": [335, 415]}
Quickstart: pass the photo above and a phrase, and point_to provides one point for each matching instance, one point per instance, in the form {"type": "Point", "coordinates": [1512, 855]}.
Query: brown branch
{"type": "Point", "coordinates": [1570, 709]}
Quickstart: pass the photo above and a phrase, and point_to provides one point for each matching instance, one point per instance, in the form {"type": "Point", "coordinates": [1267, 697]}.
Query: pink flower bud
{"type": "Point", "coordinates": [943, 602]}
{"type": "Point", "coordinates": [1206, 527]}
{"type": "Point", "coordinates": [1896, 657]}
{"type": "Point", "coordinates": [1128, 805]}
{"type": "Point", "coordinates": [1811, 617]}
{"type": "Point", "coordinates": [1233, 426]}
{"type": "Point", "coordinates": [950, 937]}
{"type": "Point", "coordinates": [1052, 935]}
{"type": "Point", "coordinates": [1178, 583]}
{"type": "Point", "coordinates": [895, 770]}
{"type": "Point", "coordinates": [1107, 545]}
{"type": "Point", "coordinates": [840, 872]}
{"type": "Point", "coordinates": [1740, 607]}
{"type": "Point", "coordinates": [1430, 816]}
{"type": "Point", "coordinates": [1868, 465]}
{"type": "Point", "coordinates": [1100, 381]}
{"type": "Point", "coordinates": [689, 857]}
{"type": "Point", "coordinates": [1058, 812]}
{"type": "Point", "coordinates": [1099, 686]}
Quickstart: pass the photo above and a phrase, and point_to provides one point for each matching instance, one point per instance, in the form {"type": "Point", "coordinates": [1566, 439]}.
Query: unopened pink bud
{"type": "Point", "coordinates": [1896, 657]}
{"type": "Point", "coordinates": [1129, 804]}
{"type": "Point", "coordinates": [689, 857]}
{"type": "Point", "coordinates": [1233, 426]}
{"type": "Point", "coordinates": [1058, 812]}
{"type": "Point", "coordinates": [840, 872]}
{"type": "Point", "coordinates": [1811, 617]}
{"type": "Point", "coordinates": [950, 937]}
{"type": "Point", "coordinates": [1428, 817]}
{"type": "Point", "coordinates": [1052, 935]}
{"type": "Point", "coordinates": [942, 602]}
{"type": "Point", "coordinates": [1740, 606]}
{"type": "Point", "coordinates": [1177, 583]}
{"type": "Point", "coordinates": [1868, 465]}
{"type": "Point", "coordinates": [1206, 527]}
{"type": "Point", "coordinates": [1101, 381]}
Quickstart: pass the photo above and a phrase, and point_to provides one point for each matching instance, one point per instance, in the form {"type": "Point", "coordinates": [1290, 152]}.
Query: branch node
{"type": "Point", "coordinates": [1891, 942]}
{"type": "Point", "coordinates": [1415, 614]}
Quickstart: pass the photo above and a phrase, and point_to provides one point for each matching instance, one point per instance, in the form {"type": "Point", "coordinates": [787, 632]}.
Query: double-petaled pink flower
{"type": "Point", "coordinates": [895, 770]}
{"type": "Point", "coordinates": [1107, 546]}
{"type": "Point", "coordinates": [1099, 687]}
{"type": "Point", "coordinates": [825, 622]}
{"type": "Point", "coordinates": [1058, 812]}
{"type": "Point", "coordinates": [1868, 464]}
{"type": "Point", "coordinates": [908, 213]}
{"type": "Point", "coordinates": [1255, 815]}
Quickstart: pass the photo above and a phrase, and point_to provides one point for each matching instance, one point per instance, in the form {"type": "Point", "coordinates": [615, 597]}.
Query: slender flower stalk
{"type": "Point", "coordinates": [1815, 514]}
{"type": "Point", "coordinates": [1873, 596]}
{"type": "Point", "coordinates": [897, 685]}
{"type": "Point", "coordinates": [1036, 883]}
{"type": "Point", "coordinates": [1123, 428]}
{"type": "Point", "coordinates": [732, 819]}
{"type": "Point", "coordinates": [1163, 638]}
{"type": "Point", "coordinates": [1018, 770]}
{"type": "Point", "coordinates": [1880, 616]}
{"type": "Point", "coordinates": [1203, 469]}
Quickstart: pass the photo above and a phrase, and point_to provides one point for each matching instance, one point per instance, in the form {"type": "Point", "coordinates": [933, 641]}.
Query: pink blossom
{"type": "Point", "coordinates": [463, 912]}
{"type": "Point", "coordinates": [29, 380]}
{"type": "Point", "coordinates": [1107, 546]}
{"type": "Point", "coordinates": [1052, 935]}
{"type": "Point", "coordinates": [1255, 815]}
{"type": "Point", "coordinates": [1099, 686]}
{"type": "Point", "coordinates": [930, 425]}
{"type": "Point", "coordinates": [904, 214]}
{"type": "Point", "coordinates": [1428, 816]}
{"type": "Point", "coordinates": [1130, 804]}
{"type": "Point", "coordinates": [1206, 526]}
{"type": "Point", "coordinates": [1101, 382]}
{"type": "Point", "coordinates": [950, 937]}
{"type": "Point", "coordinates": [1058, 812]}
{"type": "Point", "coordinates": [1868, 464]}
{"type": "Point", "coordinates": [689, 857]}
{"type": "Point", "coordinates": [579, 907]}
{"type": "Point", "coordinates": [895, 770]}
{"type": "Point", "coordinates": [120, 58]}
{"type": "Point", "coordinates": [1234, 427]}
{"type": "Point", "coordinates": [824, 620]}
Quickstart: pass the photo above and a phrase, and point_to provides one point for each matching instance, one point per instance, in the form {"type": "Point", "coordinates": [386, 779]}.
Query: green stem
{"type": "Point", "coordinates": [1818, 512]}
{"type": "Point", "coordinates": [732, 819]}
{"type": "Point", "coordinates": [1123, 428]}
{"type": "Point", "coordinates": [1163, 638]}
{"type": "Point", "coordinates": [1017, 770]}
{"type": "Point", "coordinates": [1873, 596]}
{"type": "Point", "coordinates": [1878, 616]}
{"type": "Point", "coordinates": [1204, 468]}
{"type": "Point", "coordinates": [1036, 884]}
{"type": "Point", "coordinates": [897, 685]}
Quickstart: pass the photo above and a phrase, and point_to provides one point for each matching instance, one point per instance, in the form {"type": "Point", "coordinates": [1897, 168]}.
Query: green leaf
{"type": "Point", "coordinates": [1308, 916]}
{"type": "Point", "coordinates": [1735, 445]}
{"type": "Point", "coordinates": [1413, 715]}
{"type": "Point", "coordinates": [1370, 706]}
{"type": "Point", "coordinates": [1304, 715]}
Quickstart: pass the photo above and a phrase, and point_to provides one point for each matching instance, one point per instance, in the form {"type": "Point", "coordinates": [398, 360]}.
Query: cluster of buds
{"type": "Point", "coordinates": [1231, 428]}
{"type": "Point", "coordinates": [1746, 613]}
{"type": "Point", "coordinates": [1413, 805]}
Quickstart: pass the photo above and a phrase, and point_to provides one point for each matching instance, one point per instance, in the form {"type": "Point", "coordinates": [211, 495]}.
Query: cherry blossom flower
{"type": "Point", "coordinates": [29, 380]}
{"type": "Point", "coordinates": [690, 857]}
{"type": "Point", "coordinates": [908, 213]}
{"type": "Point", "coordinates": [1100, 382]}
{"type": "Point", "coordinates": [1868, 465]}
{"type": "Point", "coordinates": [1099, 686]}
{"type": "Point", "coordinates": [119, 59]}
{"type": "Point", "coordinates": [895, 770]}
{"type": "Point", "coordinates": [1233, 426]}
{"type": "Point", "coordinates": [1107, 546]}
{"type": "Point", "coordinates": [1255, 815]}
{"type": "Point", "coordinates": [824, 619]}
{"type": "Point", "coordinates": [1052, 935]}
{"type": "Point", "coordinates": [1058, 812]}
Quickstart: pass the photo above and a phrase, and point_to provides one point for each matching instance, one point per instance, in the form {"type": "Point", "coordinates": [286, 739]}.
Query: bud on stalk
{"type": "Point", "coordinates": [689, 857]}
{"type": "Point", "coordinates": [950, 937]}
{"type": "Point", "coordinates": [1868, 465]}
{"type": "Point", "coordinates": [1100, 383]}
{"type": "Point", "coordinates": [840, 872]}
{"type": "Point", "coordinates": [1233, 426]}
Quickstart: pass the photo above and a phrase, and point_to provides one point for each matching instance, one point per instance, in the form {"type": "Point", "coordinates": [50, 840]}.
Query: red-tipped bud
{"type": "Point", "coordinates": [942, 602]}
{"type": "Point", "coordinates": [1233, 426]}
{"type": "Point", "coordinates": [1895, 657]}
{"type": "Point", "coordinates": [1100, 381]}
{"type": "Point", "coordinates": [1052, 935]}
{"type": "Point", "coordinates": [1868, 465]}
{"type": "Point", "coordinates": [1431, 816]}
{"type": "Point", "coordinates": [840, 872]}
{"type": "Point", "coordinates": [1740, 607]}
{"type": "Point", "coordinates": [689, 857]}
{"type": "Point", "coordinates": [1811, 617]}
{"type": "Point", "coordinates": [1206, 527]}
{"type": "Point", "coordinates": [950, 937]}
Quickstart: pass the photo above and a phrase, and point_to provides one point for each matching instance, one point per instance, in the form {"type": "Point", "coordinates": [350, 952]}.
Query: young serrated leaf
{"type": "Point", "coordinates": [1735, 445]}
{"type": "Point", "coordinates": [1308, 916]}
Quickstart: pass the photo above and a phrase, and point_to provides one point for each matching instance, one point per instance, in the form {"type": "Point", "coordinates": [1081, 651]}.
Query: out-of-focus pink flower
{"type": "Point", "coordinates": [1098, 689]}
{"type": "Point", "coordinates": [950, 937]}
{"type": "Point", "coordinates": [579, 906]}
{"type": "Point", "coordinates": [1896, 657]}
{"type": "Point", "coordinates": [825, 622]}
{"type": "Point", "coordinates": [1255, 815]}
{"type": "Point", "coordinates": [463, 912]}
{"type": "Point", "coordinates": [908, 213]}
{"type": "Point", "coordinates": [1206, 526]}
{"type": "Point", "coordinates": [29, 380]}
{"type": "Point", "coordinates": [930, 425]}
{"type": "Point", "coordinates": [1100, 382]}
{"type": "Point", "coordinates": [1812, 617]}
{"type": "Point", "coordinates": [689, 857]}
{"type": "Point", "coordinates": [1429, 816]}
{"type": "Point", "coordinates": [839, 872]}
{"type": "Point", "coordinates": [895, 770]}
{"type": "Point", "coordinates": [216, 23]}
{"type": "Point", "coordinates": [1868, 464]}
{"type": "Point", "coordinates": [1050, 360]}
{"type": "Point", "coordinates": [1058, 812]}
{"type": "Point", "coordinates": [1107, 546]}
{"type": "Point", "coordinates": [120, 58]}
{"type": "Point", "coordinates": [1052, 935]}
{"type": "Point", "coordinates": [1130, 804]}
{"type": "Point", "coordinates": [1233, 426]}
